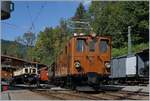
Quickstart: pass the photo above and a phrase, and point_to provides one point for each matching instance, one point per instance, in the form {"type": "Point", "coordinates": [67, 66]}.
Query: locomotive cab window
{"type": "Point", "coordinates": [80, 45]}
{"type": "Point", "coordinates": [26, 70]}
{"type": "Point", "coordinates": [92, 45]}
{"type": "Point", "coordinates": [103, 45]}
{"type": "Point", "coordinates": [33, 70]}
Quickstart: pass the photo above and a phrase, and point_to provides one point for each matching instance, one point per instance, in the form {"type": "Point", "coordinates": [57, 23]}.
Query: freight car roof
{"type": "Point", "coordinates": [144, 50]}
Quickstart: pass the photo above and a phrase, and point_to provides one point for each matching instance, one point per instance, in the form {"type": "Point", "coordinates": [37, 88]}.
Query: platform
{"type": "Point", "coordinates": [21, 95]}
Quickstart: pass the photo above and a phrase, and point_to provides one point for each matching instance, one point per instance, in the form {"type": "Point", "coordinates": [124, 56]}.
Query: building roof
{"type": "Point", "coordinates": [14, 61]}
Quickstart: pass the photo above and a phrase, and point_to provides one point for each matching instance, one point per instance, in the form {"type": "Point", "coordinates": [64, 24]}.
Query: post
{"type": "Point", "coordinates": [129, 40]}
{"type": "Point", "coordinates": [36, 65]}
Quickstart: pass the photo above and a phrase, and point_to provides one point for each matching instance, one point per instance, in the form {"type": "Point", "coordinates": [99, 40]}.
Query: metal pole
{"type": "Point", "coordinates": [129, 40]}
{"type": "Point", "coordinates": [36, 65]}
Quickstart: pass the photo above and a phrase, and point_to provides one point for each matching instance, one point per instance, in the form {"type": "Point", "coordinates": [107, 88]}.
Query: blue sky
{"type": "Point", "coordinates": [25, 12]}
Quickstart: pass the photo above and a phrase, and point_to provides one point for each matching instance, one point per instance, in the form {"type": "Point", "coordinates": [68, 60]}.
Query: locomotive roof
{"type": "Point", "coordinates": [90, 35]}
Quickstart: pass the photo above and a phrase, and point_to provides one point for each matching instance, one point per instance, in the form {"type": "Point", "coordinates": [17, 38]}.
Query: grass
{"type": "Point", "coordinates": [124, 51]}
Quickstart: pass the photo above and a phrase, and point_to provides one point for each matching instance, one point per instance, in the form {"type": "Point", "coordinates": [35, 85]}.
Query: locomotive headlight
{"type": "Point", "coordinates": [77, 64]}
{"type": "Point", "coordinates": [75, 34]}
{"type": "Point", "coordinates": [107, 65]}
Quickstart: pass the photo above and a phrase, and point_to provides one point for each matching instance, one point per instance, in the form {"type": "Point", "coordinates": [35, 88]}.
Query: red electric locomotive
{"type": "Point", "coordinates": [84, 60]}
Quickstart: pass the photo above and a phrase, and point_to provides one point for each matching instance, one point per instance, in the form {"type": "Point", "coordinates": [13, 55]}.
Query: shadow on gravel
{"type": "Point", "coordinates": [100, 89]}
{"type": "Point", "coordinates": [92, 92]}
{"type": "Point", "coordinates": [110, 88]}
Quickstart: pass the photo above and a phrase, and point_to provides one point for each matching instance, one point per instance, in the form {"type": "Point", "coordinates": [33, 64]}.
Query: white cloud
{"type": "Point", "coordinates": [87, 2]}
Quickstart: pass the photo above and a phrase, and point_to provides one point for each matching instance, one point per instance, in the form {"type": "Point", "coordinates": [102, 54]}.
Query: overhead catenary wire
{"type": "Point", "coordinates": [40, 11]}
{"type": "Point", "coordinates": [36, 17]}
{"type": "Point", "coordinates": [30, 16]}
{"type": "Point", "coordinates": [14, 25]}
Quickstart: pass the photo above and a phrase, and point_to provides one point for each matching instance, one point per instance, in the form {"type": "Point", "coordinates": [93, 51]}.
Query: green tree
{"type": "Point", "coordinates": [80, 20]}
{"type": "Point", "coordinates": [80, 12]}
{"type": "Point", "coordinates": [138, 18]}
{"type": "Point", "coordinates": [27, 39]}
{"type": "Point", "coordinates": [113, 18]}
{"type": "Point", "coordinates": [47, 45]}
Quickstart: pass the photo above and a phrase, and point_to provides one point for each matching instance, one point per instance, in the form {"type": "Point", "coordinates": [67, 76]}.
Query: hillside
{"type": "Point", "coordinates": [13, 48]}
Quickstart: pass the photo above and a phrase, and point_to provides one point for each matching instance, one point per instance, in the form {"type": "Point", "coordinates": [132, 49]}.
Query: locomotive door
{"type": "Point", "coordinates": [97, 54]}
{"type": "Point", "coordinates": [79, 55]}
{"type": "Point", "coordinates": [104, 56]}
{"type": "Point", "coordinates": [91, 59]}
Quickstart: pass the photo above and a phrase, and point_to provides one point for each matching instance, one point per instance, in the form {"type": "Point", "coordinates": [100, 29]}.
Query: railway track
{"type": "Point", "coordinates": [123, 95]}
{"type": "Point", "coordinates": [65, 95]}
{"type": "Point", "coordinates": [106, 95]}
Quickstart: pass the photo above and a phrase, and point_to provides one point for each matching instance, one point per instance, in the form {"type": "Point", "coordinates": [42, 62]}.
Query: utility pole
{"type": "Point", "coordinates": [129, 40]}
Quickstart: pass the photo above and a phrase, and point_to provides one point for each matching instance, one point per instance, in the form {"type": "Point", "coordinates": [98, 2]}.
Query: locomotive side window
{"type": "Point", "coordinates": [103, 46]}
{"type": "Point", "coordinates": [80, 45]}
{"type": "Point", "coordinates": [92, 45]}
